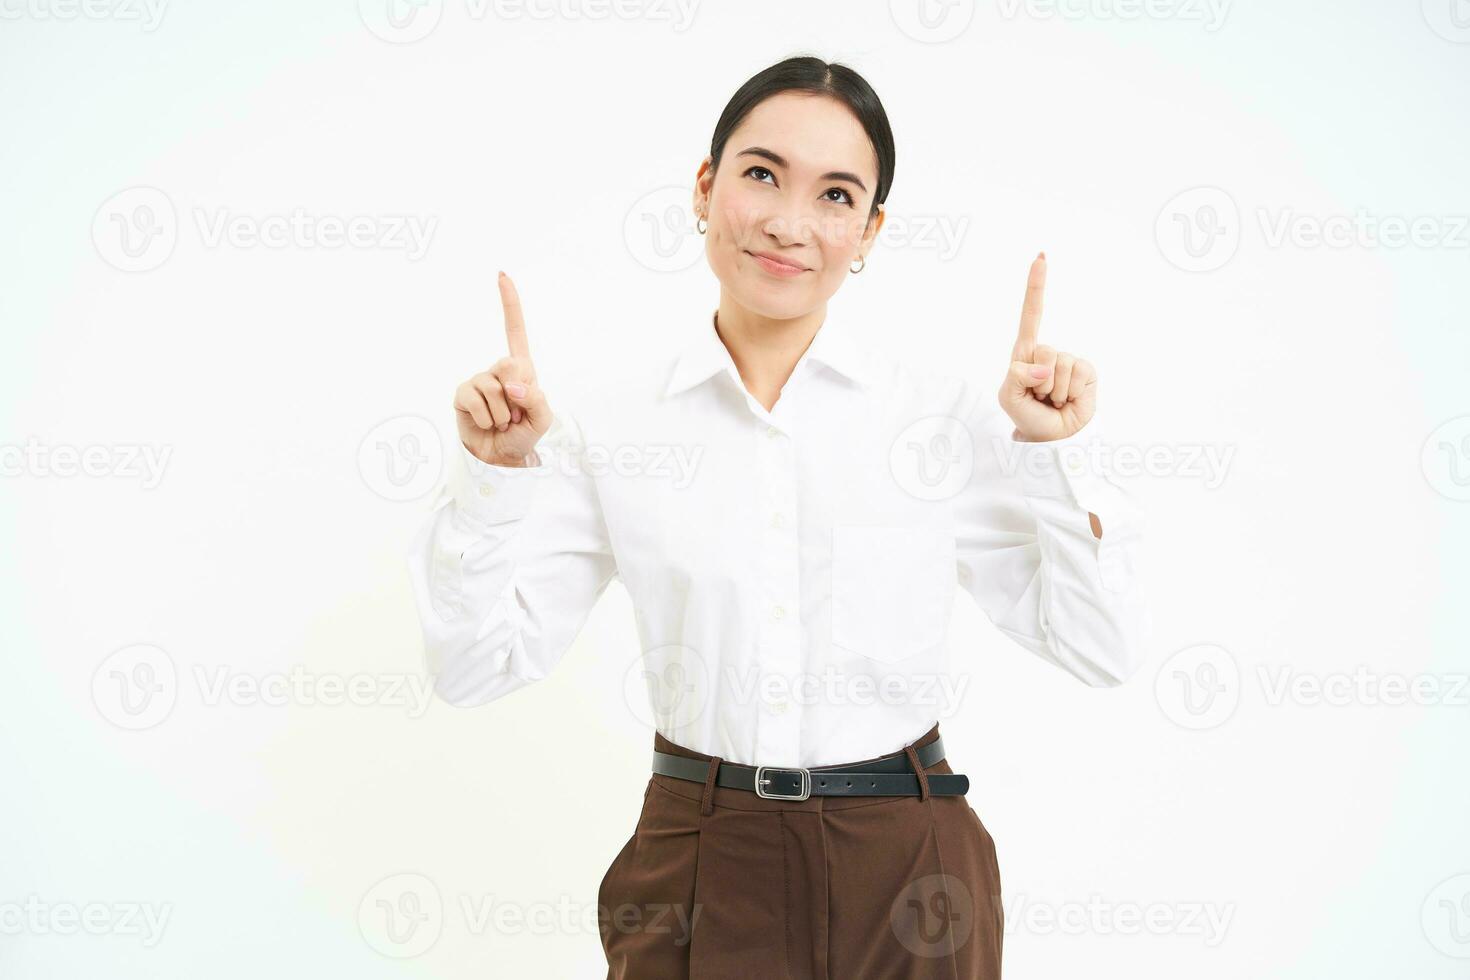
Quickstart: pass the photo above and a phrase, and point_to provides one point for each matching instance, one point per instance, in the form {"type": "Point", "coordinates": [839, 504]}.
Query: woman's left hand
{"type": "Point", "coordinates": [1048, 393]}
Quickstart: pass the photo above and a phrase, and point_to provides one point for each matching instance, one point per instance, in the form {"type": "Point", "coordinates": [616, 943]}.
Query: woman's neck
{"type": "Point", "coordinates": [765, 350]}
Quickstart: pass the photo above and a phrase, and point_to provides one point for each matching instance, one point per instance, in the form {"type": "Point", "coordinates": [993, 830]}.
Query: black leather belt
{"type": "Point", "coordinates": [891, 776]}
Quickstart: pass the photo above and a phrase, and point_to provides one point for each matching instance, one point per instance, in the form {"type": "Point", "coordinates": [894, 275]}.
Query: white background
{"type": "Point", "coordinates": [1263, 834]}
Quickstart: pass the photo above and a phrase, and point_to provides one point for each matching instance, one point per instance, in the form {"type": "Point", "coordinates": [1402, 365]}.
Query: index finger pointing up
{"type": "Point", "coordinates": [515, 323]}
{"type": "Point", "coordinates": [1031, 309]}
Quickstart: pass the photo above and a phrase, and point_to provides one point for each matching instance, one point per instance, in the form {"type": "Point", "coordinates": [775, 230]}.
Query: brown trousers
{"type": "Point", "coordinates": [720, 884]}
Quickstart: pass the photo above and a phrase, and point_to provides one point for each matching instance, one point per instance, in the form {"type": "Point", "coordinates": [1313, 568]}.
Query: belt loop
{"type": "Point", "coordinates": [919, 771]}
{"type": "Point", "coordinates": [707, 801]}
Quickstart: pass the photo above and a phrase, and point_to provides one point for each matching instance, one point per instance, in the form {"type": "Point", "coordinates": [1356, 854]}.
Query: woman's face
{"type": "Point", "coordinates": [788, 207]}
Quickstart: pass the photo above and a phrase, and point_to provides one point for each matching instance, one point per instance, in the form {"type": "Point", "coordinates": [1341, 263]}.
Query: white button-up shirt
{"type": "Point", "coordinates": [793, 571]}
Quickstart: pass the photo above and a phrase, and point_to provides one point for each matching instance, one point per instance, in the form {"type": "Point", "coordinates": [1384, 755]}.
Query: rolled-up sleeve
{"type": "Point", "coordinates": [1029, 557]}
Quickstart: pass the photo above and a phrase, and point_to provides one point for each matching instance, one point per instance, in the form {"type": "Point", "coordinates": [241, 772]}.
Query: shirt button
{"type": "Point", "coordinates": [778, 612]}
{"type": "Point", "coordinates": [772, 432]}
{"type": "Point", "coordinates": [486, 489]}
{"type": "Point", "coordinates": [777, 520]}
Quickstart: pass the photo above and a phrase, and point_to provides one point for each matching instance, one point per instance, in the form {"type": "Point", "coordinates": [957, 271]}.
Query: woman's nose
{"type": "Point", "coordinates": [792, 224]}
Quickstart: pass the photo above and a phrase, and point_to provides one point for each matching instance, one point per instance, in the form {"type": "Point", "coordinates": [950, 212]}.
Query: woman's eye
{"type": "Point", "coordinates": [844, 193]}
{"type": "Point", "coordinates": [762, 170]}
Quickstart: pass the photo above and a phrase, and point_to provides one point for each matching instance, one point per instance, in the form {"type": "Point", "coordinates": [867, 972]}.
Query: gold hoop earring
{"type": "Point", "coordinates": [862, 264]}
{"type": "Point", "coordinates": [706, 225]}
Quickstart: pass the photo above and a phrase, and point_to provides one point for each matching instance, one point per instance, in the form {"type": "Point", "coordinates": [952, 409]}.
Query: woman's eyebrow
{"type": "Point", "coordinates": [780, 161]}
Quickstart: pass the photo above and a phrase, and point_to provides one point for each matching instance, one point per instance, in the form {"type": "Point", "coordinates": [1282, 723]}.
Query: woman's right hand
{"type": "Point", "coordinates": [502, 412]}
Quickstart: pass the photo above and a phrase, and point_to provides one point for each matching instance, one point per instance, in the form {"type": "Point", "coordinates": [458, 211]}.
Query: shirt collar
{"type": "Point", "coordinates": [833, 345]}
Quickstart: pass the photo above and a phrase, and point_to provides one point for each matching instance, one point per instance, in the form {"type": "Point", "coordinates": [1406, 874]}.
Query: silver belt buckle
{"type": "Point", "coordinates": [761, 782]}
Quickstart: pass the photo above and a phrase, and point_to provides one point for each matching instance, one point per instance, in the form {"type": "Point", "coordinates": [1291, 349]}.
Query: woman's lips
{"type": "Point", "coordinates": [776, 268]}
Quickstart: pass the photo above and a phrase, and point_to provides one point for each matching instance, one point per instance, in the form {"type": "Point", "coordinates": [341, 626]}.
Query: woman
{"type": "Point", "coordinates": [790, 513]}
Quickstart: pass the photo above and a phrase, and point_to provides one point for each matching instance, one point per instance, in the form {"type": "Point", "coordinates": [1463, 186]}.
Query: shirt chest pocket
{"type": "Point", "coordinates": [892, 589]}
